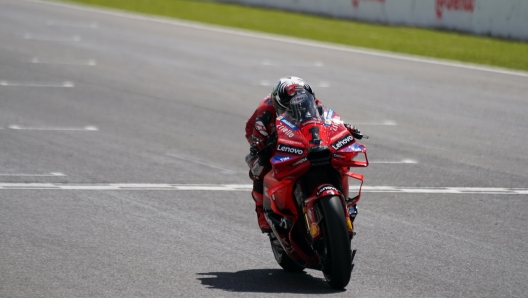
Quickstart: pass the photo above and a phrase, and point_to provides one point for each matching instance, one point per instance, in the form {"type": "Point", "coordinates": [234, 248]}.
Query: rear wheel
{"type": "Point", "coordinates": [337, 263]}
{"type": "Point", "coordinates": [282, 258]}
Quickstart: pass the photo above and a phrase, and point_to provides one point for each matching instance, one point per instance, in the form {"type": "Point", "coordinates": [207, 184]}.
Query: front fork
{"type": "Point", "coordinates": [352, 213]}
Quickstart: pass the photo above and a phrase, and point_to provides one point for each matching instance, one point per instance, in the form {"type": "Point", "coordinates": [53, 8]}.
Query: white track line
{"type": "Point", "coordinates": [319, 85]}
{"type": "Point", "coordinates": [90, 62]}
{"type": "Point", "coordinates": [30, 36]}
{"type": "Point", "coordinates": [87, 128]}
{"type": "Point", "coordinates": [41, 85]}
{"type": "Point", "coordinates": [53, 174]}
{"type": "Point", "coordinates": [290, 40]}
{"type": "Point", "coordinates": [248, 187]}
{"type": "Point", "coordinates": [54, 23]}
{"type": "Point", "coordinates": [316, 64]}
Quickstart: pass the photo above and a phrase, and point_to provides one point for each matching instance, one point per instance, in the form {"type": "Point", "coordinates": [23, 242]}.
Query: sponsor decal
{"type": "Point", "coordinates": [354, 148]}
{"type": "Point", "coordinates": [285, 130]}
{"type": "Point", "coordinates": [280, 158]}
{"type": "Point", "coordinates": [291, 142]}
{"type": "Point", "coordinates": [325, 188]}
{"type": "Point", "coordinates": [342, 142]}
{"type": "Point", "coordinates": [259, 126]}
{"type": "Point", "coordinates": [290, 149]}
{"type": "Point", "coordinates": [287, 122]}
{"type": "Point", "coordinates": [329, 114]}
{"type": "Point", "coordinates": [355, 3]}
{"type": "Point", "coordinates": [456, 5]}
{"type": "Point", "coordinates": [310, 122]}
{"type": "Point", "coordinates": [299, 162]}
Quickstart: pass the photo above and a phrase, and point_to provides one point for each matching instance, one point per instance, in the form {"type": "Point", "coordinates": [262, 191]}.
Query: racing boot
{"type": "Point", "coordinates": [263, 224]}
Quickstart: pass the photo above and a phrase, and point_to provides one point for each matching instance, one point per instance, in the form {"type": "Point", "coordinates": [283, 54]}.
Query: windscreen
{"type": "Point", "coordinates": [303, 108]}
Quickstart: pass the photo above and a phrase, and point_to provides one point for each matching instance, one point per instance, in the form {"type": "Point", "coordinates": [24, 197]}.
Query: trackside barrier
{"type": "Point", "coordinates": [498, 18]}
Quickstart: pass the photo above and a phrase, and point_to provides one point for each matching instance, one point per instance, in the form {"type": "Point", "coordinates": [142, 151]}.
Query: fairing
{"type": "Point", "coordinates": [310, 142]}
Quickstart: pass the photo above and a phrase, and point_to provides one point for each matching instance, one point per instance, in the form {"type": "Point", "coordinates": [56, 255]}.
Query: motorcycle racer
{"type": "Point", "coordinates": [260, 128]}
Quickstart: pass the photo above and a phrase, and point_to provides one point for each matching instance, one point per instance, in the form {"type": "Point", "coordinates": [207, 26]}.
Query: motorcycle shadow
{"type": "Point", "coordinates": [266, 281]}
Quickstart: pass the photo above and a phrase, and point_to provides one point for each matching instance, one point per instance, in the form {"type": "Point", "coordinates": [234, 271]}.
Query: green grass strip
{"type": "Point", "coordinates": [415, 41]}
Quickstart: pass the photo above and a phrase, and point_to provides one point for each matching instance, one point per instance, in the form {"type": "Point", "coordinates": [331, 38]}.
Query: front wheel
{"type": "Point", "coordinates": [337, 263]}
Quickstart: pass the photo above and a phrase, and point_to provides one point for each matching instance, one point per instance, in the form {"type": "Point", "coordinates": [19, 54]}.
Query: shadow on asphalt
{"type": "Point", "coordinates": [266, 281]}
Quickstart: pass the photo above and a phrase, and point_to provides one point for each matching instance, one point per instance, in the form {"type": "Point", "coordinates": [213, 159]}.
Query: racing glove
{"type": "Point", "coordinates": [256, 146]}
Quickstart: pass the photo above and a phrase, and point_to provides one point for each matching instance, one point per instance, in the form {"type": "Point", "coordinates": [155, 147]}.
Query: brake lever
{"type": "Point", "coordinates": [359, 136]}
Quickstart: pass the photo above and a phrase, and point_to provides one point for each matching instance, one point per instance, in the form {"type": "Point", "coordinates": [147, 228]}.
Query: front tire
{"type": "Point", "coordinates": [337, 263]}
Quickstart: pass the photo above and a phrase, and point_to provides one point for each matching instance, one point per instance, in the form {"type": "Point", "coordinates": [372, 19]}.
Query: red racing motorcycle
{"type": "Point", "coordinates": [306, 194]}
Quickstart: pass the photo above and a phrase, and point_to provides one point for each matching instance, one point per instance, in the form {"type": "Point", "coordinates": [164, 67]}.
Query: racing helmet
{"type": "Point", "coordinates": [285, 89]}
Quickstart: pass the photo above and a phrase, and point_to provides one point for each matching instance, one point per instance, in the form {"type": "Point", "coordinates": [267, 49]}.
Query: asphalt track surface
{"type": "Point", "coordinates": [94, 99]}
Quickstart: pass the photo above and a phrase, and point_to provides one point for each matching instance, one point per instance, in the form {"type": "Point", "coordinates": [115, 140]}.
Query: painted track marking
{"type": "Point", "coordinates": [319, 85]}
{"type": "Point", "coordinates": [248, 187]}
{"type": "Point", "coordinates": [54, 23]}
{"type": "Point", "coordinates": [86, 128]}
{"type": "Point", "coordinates": [31, 84]}
{"type": "Point", "coordinates": [90, 62]}
{"type": "Point", "coordinates": [52, 174]}
{"type": "Point", "coordinates": [30, 36]}
{"type": "Point", "coordinates": [314, 64]}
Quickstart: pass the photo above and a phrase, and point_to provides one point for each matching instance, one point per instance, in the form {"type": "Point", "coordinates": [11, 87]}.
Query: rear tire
{"type": "Point", "coordinates": [337, 261]}
{"type": "Point", "coordinates": [282, 258]}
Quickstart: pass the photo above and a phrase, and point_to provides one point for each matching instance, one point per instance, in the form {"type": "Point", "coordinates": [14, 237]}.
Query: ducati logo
{"type": "Point", "coordinates": [325, 188]}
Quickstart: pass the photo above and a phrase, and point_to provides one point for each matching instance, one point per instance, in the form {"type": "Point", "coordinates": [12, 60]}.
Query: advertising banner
{"type": "Point", "coordinates": [499, 18]}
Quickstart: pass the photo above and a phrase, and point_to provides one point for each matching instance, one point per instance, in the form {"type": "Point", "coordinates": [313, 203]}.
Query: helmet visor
{"type": "Point", "coordinates": [303, 108]}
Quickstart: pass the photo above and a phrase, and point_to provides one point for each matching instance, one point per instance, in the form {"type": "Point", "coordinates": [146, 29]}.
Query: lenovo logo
{"type": "Point", "coordinates": [342, 142]}
{"type": "Point", "coordinates": [289, 149]}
